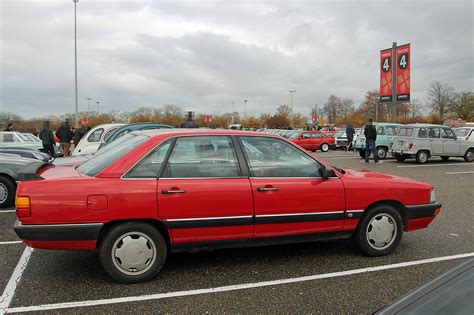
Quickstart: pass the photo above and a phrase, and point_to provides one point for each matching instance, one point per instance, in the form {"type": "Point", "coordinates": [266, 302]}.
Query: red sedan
{"type": "Point", "coordinates": [155, 193]}
{"type": "Point", "coordinates": [313, 140]}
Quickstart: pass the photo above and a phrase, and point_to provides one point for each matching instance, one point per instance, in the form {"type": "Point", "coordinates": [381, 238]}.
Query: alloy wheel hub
{"type": "Point", "coordinates": [134, 253]}
{"type": "Point", "coordinates": [3, 193]}
{"type": "Point", "coordinates": [381, 231]}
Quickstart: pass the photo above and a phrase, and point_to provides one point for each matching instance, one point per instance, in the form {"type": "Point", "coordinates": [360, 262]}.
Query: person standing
{"type": "Point", "coordinates": [65, 135]}
{"type": "Point", "coordinates": [370, 137]}
{"type": "Point", "coordinates": [47, 139]}
{"type": "Point", "coordinates": [350, 137]}
{"type": "Point", "coordinates": [9, 127]}
{"type": "Point", "coordinates": [80, 132]}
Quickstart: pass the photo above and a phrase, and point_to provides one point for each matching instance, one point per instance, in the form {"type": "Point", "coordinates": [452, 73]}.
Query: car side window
{"type": "Point", "coordinates": [380, 130]}
{"type": "Point", "coordinates": [202, 156]}
{"type": "Point", "coordinates": [8, 137]}
{"type": "Point", "coordinates": [271, 157]}
{"type": "Point", "coordinates": [316, 135]}
{"type": "Point", "coordinates": [305, 135]}
{"type": "Point", "coordinates": [391, 130]}
{"type": "Point", "coordinates": [434, 133]}
{"type": "Point", "coordinates": [422, 133]}
{"type": "Point", "coordinates": [448, 134]}
{"type": "Point", "coordinates": [95, 136]}
{"type": "Point", "coordinates": [149, 167]}
{"type": "Point", "coordinates": [109, 133]}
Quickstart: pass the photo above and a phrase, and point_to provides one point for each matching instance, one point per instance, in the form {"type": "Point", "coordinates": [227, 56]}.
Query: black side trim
{"type": "Point", "coordinates": [208, 223]}
{"type": "Point", "coordinates": [299, 218]}
{"type": "Point", "coordinates": [59, 232]}
{"type": "Point", "coordinates": [354, 215]}
{"type": "Point", "coordinates": [265, 241]}
{"type": "Point", "coordinates": [422, 211]}
{"type": "Point", "coordinates": [29, 171]}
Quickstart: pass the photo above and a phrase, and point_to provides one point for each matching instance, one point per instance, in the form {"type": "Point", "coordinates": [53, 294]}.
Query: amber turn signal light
{"type": "Point", "coordinates": [23, 207]}
{"type": "Point", "coordinates": [437, 211]}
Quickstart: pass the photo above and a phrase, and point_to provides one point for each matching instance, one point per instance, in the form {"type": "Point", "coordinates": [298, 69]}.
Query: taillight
{"type": "Point", "coordinates": [23, 207]}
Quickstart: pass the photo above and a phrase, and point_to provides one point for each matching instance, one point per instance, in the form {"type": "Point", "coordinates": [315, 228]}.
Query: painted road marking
{"type": "Point", "coordinates": [10, 289]}
{"type": "Point", "coordinates": [10, 242]}
{"type": "Point", "coordinates": [429, 165]}
{"type": "Point", "coordinates": [159, 296]}
{"type": "Point", "coordinates": [452, 173]}
{"type": "Point", "coordinates": [7, 211]}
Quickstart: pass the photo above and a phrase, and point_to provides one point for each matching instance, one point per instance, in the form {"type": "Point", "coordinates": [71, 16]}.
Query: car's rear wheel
{"type": "Point", "coordinates": [133, 252]}
{"type": "Point", "coordinates": [380, 231]}
{"type": "Point", "coordinates": [7, 192]}
{"type": "Point", "coordinates": [362, 153]}
{"type": "Point", "coordinates": [422, 157]}
{"type": "Point", "coordinates": [400, 157]}
{"type": "Point", "coordinates": [382, 152]}
{"type": "Point", "coordinates": [469, 156]}
{"type": "Point", "coordinates": [445, 158]}
{"type": "Point", "coordinates": [325, 147]}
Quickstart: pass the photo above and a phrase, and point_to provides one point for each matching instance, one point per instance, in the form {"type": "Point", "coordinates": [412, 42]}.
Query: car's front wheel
{"type": "Point", "coordinates": [325, 147]}
{"type": "Point", "coordinates": [422, 157]}
{"type": "Point", "coordinates": [7, 192]}
{"type": "Point", "coordinates": [133, 252]}
{"type": "Point", "coordinates": [380, 231]}
{"type": "Point", "coordinates": [382, 152]}
{"type": "Point", "coordinates": [469, 156]}
{"type": "Point", "coordinates": [362, 153]}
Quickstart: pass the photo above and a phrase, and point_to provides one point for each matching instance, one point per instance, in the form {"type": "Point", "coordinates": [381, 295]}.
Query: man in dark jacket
{"type": "Point", "coordinates": [370, 136]}
{"type": "Point", "coordinates": [350, 136]}
{"type": "Point", "coordinates": [65, 135]}
{"type": "Point", "coordinates": [47, 138]}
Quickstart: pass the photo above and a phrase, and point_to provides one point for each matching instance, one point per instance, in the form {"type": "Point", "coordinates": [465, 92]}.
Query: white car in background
{"type": "Point", "coordinates": [14, 139]}
{"type": "Point", "coordinates": [465, 133]}
{"type": "Point", "coordinates": [92, 140]}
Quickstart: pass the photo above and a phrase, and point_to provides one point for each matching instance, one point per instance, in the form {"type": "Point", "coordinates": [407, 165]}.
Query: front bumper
{"type": "Point", "coordinates": [58, 232]}
{"type": "Point", "coordinates": [422, 211]}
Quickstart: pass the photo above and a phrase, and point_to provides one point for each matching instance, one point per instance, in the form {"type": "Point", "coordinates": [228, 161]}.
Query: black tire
{"type": "Point", "coordinates": [362, 153]}
{"type": "Point", "coordinates": [382, 218]}
{"type": "Point", "coordinates": [400, 157]}
{"type": "Point", "coordinates": [382, 152]}
{"type": "Point", "coordinates": [7, 192]}
{"type": "Point", "coordinates": [141, 234]}
{"type": "Point", "coordinates": [325, 147]}
{"type": "Point", "coordinates": [445, 158]}
{"type": "Point", "coordinates": [469, 156]}
{"type": "Point", "coordinates": [422, 156]}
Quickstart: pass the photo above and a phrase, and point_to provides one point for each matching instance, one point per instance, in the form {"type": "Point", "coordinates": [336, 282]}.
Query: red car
{"type": "Point", "coordinates": [313, 140]}
{"type": "Point", "coordinates": [186, 190]}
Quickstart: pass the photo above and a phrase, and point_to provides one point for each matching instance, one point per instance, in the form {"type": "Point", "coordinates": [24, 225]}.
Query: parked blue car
{"type": "Point", "coordinates": [133, 127]}
{"type": "Point", "coordinates": [385, 134]}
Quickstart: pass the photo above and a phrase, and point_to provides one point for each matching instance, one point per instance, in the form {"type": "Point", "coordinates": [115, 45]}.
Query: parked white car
{"type": "Point", "coordinates": [92, 140]}
{"type": "Point", "coordinates": [422, 141]}
{"type": "Point", "coordinates": [14, 139]}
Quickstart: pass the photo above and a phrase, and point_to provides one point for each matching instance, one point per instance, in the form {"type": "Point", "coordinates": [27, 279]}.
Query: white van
{"type": "Point", "coordinates": [92, 140]}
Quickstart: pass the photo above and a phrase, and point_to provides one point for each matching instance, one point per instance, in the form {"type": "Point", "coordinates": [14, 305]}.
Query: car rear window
{"type": "Point", "coordinates": [101, 161]}
{"type": "Point", "coordinates": [406, 132]}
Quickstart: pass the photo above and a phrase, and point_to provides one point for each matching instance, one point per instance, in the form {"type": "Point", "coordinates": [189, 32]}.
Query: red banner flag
{"type": "Point", "coordinates": [386, 75]}
{"type": "Point", "coordinates": [403, 73]}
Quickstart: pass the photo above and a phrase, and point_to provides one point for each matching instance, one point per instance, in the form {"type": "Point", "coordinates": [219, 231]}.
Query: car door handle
{"type": "Point", "coordinates": [267, 189]}
{"type": "Point", "coordinates": [173, 191]}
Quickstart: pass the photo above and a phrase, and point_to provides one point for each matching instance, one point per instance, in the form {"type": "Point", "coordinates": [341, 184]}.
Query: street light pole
{"type": "Point", "coordinates": [233, 113]}
{"type": "Point", "coordinates": [75, 62]}
{"type": "Point", "coordinates": [245, 109]}
{"type": "Point", "coordinates": [98, 107]}
{"type": "Point", "coordinates": [292, 91]}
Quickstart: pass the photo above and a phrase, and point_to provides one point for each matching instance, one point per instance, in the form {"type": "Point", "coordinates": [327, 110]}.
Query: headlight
{"type": "Point", "coordinates": [432, 196]}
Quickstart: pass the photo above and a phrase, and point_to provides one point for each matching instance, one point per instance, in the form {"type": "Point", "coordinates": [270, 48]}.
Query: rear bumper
{"type": "Point", "coordinates": [58, 232]}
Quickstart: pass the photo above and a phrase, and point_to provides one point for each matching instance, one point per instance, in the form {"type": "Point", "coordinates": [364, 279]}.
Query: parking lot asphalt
{"type": "Point", "coordinates": [336, 282]}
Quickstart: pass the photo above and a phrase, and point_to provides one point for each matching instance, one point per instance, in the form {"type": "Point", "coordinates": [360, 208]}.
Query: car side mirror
{"type": "Point", "coordinates": [328, 172]}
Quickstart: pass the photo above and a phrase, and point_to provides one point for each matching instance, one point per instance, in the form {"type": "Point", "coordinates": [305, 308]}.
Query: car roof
{"type": "Point", "coordinates": [187, 132]}
{"type": "Point", "coordinates": [425, 125]}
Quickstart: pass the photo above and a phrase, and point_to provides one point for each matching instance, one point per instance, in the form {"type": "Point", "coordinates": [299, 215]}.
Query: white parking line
{"type": "Point", "coordinates": [10, 289]}
{"type": "Point", "coordinates": [7, 211]}
{"type": "Point", "coordinates": [10, 242]}
{"type": "Point", "coordinates": [452, 173]}
{"type": "Point", "coordinates": [159, 296]}
{"type": "Point", "coordinates": [429, 165]}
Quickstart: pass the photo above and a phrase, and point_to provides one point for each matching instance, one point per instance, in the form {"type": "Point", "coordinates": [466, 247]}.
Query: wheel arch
{"type": "Point", "coordinates": [394, 203]}
{"type": "Point", "coordinates": [159, 225]}
{"type": "Point", "coordinates": [9, 177]}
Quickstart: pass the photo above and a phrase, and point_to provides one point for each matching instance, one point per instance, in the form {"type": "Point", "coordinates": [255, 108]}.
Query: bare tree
{"type": "Point", "coordinates": [347, 107]}
{"type": "Point", "coordinates": [416, 108]}
{"type": "Point", "coordinates": [440, 97]}
{"type": "Point", "coordinates": [284, 110]}
{"type": "Point", "coordinates": [332, 108]}
{"type": "Point", "coordinates": [463, 105]}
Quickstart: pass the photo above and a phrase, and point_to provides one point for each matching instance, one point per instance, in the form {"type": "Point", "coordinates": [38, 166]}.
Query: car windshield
{"type": "Point", "coordinates": [101, 161]}
{"type": "Point", "coordinates": [461, 132]}
{"type": "Point", "coordinates": [115, 143]}
{"type": "Point", "coordinates": [406, 132]}
{"type": "Point", "coordinates": [24, 137]}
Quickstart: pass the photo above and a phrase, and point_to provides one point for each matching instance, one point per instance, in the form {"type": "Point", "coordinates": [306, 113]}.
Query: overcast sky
{"type": "Point", "coordinates": [203, 55]}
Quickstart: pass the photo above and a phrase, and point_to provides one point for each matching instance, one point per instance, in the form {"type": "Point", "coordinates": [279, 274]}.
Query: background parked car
{"type": "Point", "coordinates": [92, 140]}
{"type": "Point", "coordinates": [385, 134]}
{"type": "Point", "coordinates": [313, 140]}
{"type": "Point", "coordinates": [422, 141]}
{"type": "Point", "coordinates": [10, 165]}
{"type": "Point", "coordinates": [133, 127]}
{"type": "Point", "coordinates": [465, 133]}
{"type": "Point", "coordinates": [27, 153]}
{"type": "Point", "coordinates": [18, 140]}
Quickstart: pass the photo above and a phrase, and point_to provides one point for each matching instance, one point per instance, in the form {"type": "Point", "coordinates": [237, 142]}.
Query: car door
{"type": "Point", "coordinates": [316, 139]}
{"type": "Point", "coordinates": [290, 196]}
{"type": "Point", "coordinates": [434, 134]}
{"type": "Point", "coordinates": [202, 195]}
{"type": "Point", "coordinates": [451, 146]}
{"type": "Point", "coordinates": [306, 141]}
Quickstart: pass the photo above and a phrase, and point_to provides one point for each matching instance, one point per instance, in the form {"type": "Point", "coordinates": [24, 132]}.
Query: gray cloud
{"type": "Point", "coordinates": [204, 55]}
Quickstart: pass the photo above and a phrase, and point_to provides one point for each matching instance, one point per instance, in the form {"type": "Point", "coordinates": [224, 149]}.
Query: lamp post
{"type": "Point", "coordinates": [245, 109]}
{"type": "Point", "coordinates": [98, 107]}
{"type": "Point", "coordinates": [233, 112]}
{"type": "Point", "coordinates": [75, 62]}
{"type": "Point", "coordinates": [292, 91]}
{"type": "Point", "coordinates": [88, 99]}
